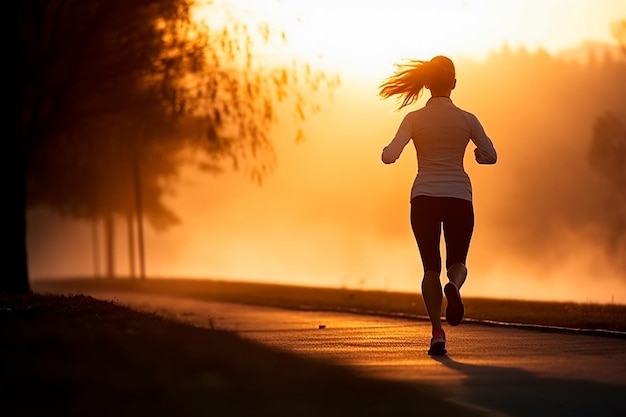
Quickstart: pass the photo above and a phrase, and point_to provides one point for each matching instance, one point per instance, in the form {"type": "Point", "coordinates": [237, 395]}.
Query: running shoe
{"type": "Point", "coordinates": [455, 309]}
{"type": "Point", "coordinates": [438, 343]}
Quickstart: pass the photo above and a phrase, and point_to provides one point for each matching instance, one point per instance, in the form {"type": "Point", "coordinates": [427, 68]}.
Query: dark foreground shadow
{"type": "Point", "coordinates": [76, 356]}
{"type": "Point", "coordinates": [516, 392]}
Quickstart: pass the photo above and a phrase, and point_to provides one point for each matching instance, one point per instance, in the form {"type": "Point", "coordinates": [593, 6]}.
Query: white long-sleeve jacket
{"type": "Point", "coordinates": [441, 132]}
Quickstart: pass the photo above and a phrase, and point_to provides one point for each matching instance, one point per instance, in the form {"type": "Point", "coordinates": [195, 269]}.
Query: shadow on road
{"type": "Point", "coordinates": [523, 394]}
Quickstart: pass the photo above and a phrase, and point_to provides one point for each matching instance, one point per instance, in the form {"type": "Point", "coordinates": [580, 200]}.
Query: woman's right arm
{"type": "Point", "coordinates": [392, 151]}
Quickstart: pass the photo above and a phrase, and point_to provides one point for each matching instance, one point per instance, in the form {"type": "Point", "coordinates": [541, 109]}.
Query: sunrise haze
{"type": "Point", "coordinates": [538, 74]}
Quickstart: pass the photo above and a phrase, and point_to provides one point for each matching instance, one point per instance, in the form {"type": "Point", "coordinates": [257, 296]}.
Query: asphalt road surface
{"type": "Point", "coordinates": [505, 370]}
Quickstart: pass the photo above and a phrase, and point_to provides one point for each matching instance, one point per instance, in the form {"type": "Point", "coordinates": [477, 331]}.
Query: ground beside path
{"type": "Point", "coordinates": [587, 317]}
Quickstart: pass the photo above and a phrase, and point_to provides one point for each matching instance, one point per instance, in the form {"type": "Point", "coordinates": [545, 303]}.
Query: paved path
{"type": "Point", "coordinates": [506, 370]}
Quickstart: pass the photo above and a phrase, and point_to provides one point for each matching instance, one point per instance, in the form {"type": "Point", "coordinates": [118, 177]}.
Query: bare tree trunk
{"type": "Point", "coordinates": [109, 241]}
{"type": "Point", "coordinates": [131, 244]}
{"type": "Point", "coordinates": [95, 243]}
{"type": "Point", "coordinates": [15, 278]}
{"type": "Point", "coordinates": [139, 208]}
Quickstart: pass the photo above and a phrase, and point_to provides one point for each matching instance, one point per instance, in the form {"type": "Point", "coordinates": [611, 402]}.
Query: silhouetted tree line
{"type": "Point", "coordinates": [559, 125]}
{"type": "Point", "coordinates": [110, 98]}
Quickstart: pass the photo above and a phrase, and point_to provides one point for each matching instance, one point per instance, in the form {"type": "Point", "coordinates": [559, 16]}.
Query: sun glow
{"type": "Point", "coordinates": [366, 37]}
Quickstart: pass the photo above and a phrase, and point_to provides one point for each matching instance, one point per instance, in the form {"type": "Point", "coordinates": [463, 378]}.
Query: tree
{"type": "Point", "coordinates": [619, 33]}
{"type": "Point", "coordinates": [104, 97]}
{"type": "Point", "coordinates": [86, 68]}
{"type": "Point", "coordinates": [607, 155]}
{"type": "Point", "coordinates": [123, 171]}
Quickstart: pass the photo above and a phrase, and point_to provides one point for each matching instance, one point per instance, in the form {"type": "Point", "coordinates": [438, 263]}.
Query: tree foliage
{"type": "Point", "coordinates": [148, 75]}
{"type": "Point", "coordinates": [105, 88]}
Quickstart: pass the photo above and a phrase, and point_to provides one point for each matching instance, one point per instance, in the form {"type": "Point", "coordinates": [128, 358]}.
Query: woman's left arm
{"type": "Point", "coordinates": [485, 152]}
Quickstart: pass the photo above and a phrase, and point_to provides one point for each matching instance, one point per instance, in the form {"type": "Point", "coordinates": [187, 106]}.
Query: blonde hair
{"type": "Point", "coordinates": [411, 77]}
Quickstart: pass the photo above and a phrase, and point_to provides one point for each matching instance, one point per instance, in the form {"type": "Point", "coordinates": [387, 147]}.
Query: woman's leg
{"type": "Point", "coordinates": [426, 226]}
{"type": "Point", "coordinates": [457, 274]}
{"type": "Point", "coordinates": [458, 226]}
{"type": "Point", "coordinates": [433, 297]}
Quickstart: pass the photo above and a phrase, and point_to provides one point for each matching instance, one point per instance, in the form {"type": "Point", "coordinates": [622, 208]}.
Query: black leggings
{"type": "Point", "coordinates": [457, 216]}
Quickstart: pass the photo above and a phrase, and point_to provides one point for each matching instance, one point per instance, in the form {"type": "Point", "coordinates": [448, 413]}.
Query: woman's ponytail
{"type": "Point", "coordinates": [408, 82]}
{"type": "Point", "coordinates": [412, 76]}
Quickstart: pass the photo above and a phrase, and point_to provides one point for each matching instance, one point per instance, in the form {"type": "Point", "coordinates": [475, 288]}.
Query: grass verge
{"type": "Point", "coordinates": [608, 317]}
{"type": "Point", "coordinates": [79, 356]}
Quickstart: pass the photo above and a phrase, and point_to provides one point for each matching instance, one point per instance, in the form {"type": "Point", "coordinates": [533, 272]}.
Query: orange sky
{"type": "Point", "coordinates": [332, 214]}
{"type": "Point", "coordinates": [364, 38]}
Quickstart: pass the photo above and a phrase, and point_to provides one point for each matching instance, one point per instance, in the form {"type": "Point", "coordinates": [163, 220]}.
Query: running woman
{"type": "Point", "coordinates": [442, 191]}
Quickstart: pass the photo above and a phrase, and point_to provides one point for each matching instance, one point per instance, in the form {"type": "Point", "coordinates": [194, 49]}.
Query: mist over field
{"type": "Point", "coordinates": [552, 213]}
{"type": "Point", "coordinates": [549, 225]}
